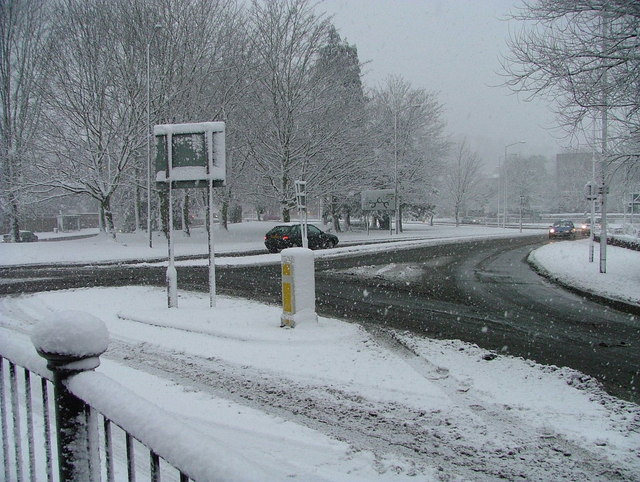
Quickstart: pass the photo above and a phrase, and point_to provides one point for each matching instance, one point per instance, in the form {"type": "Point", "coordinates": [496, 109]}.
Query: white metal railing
{"type": "Point", "coordinates": [99, 428]}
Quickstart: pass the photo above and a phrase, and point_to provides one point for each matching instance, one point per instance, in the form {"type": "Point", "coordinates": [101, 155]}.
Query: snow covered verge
{"type": "Point", "coordinates": [333, 401]}
{"type": "Point", "coordinates": [241, 237]}
{"type": "Point", "coordinates": [568, 263]}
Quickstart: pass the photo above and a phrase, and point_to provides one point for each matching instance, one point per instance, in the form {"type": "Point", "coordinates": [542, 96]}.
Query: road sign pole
{"type": "Point", "coordinates": [603, 228]}
{"type": "Point", "coordinates": [172, 274]}
{"type": "Point", "coordinates": [592, 235]}
{"type": "Point", "coordinates": [301, 202]}
{"type": "Point", "coordinates": [212, 256]}
{"type": "Point", "coordinates": [590, 192]}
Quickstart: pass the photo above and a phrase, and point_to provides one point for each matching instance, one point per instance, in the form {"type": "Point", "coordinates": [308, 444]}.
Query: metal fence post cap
{"type": "Point", "coordinates": [71, 341]}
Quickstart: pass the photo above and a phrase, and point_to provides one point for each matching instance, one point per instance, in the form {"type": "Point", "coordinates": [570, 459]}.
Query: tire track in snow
{"type": "Point", "coordinates": [502, 445]}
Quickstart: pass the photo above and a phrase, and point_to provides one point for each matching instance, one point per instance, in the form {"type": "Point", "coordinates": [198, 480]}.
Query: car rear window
{"type": "Point", "coordinates": [280, 230]}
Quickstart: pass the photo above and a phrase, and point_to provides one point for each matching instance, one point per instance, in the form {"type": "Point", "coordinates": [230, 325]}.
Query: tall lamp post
{"type": "Point", "coordinates": [395, 161]}
{"type": "Point", "coordinates": [148, 131]}
{"type": "Point", "coordinates": [504, 219]}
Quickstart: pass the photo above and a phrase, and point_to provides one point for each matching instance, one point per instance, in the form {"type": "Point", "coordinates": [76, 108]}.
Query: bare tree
{"type": "Point", "coordinates": [462, 178]}
{"type": "Point", "coordinates": [23, 34]}
{"type": "Point", "coordinates": [410, 143]}
{"type": "Point", "coordinates": [93, 127]}
{"type": "Point", "coordinates": [284, 105]}
{"type": "Point", "coordinates": [583, 55]}
{"type": "Point", "coordinates": [97, 102]}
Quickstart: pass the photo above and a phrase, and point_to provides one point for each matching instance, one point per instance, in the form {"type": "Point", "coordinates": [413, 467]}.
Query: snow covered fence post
{"type": "Point", "coordinates": [298, 287]}
{"type": "Point", "coordinates": [72, 342]}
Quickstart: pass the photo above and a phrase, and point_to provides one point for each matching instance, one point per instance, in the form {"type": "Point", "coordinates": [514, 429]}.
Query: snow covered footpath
{"type": "Point", "coordinates": [568, 263]}
{"type": "Point", "coordinates": [334, 401]}
{"type": "Point", "coordinates": [331, 401]}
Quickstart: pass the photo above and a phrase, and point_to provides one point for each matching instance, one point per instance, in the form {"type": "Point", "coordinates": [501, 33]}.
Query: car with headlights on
{"type": "Point", "coordinates": [289, 235]}
{"type": "Point", "coordinates": [584, 228]}
{"type": "Point", "coordinates": [562, 229]}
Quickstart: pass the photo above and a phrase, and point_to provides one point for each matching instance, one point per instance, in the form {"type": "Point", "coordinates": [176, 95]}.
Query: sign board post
{"type": "Point", "coordinates": [301, 202]}
{"type": "Point", "coordinates": [634, 205]}
{"type": "Point", "coordinates": [188, 156]}
{"type": "Point", "coordinates": [591, 195]}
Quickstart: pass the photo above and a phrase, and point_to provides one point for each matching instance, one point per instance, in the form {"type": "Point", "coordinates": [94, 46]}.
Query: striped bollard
{"type": "Point", "coordinates": [298, 287]}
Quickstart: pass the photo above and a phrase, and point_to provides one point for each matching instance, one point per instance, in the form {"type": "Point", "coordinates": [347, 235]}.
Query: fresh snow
{"type": "Point", "coordinates": [71, 333]}
{"type": "Point", "coordinates": [569, 264]}
{"type": "Point", "coordinates": [333, 400]}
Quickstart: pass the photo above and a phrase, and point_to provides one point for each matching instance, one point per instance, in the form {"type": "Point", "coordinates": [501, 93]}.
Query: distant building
{"type": "Point", "coordinates": [573, 171]}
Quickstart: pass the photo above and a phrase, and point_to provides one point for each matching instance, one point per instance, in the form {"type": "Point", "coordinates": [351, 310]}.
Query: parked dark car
{"type": "Point", "coordinates": [562, 229]}
{"type": "Point", "coordinates": [289, 235]}
{"type": "Point", "coordinates": [25, 237]}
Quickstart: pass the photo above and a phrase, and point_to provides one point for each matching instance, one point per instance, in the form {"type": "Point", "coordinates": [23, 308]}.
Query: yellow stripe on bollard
{"type": "Point", "coordinates": [287, 298]}
{"type": "Point", "coordinates": [286, 269]}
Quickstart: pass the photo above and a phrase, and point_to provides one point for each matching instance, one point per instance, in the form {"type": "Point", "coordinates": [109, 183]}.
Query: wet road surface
{"type": "Point", "coordinates": [481, 292]}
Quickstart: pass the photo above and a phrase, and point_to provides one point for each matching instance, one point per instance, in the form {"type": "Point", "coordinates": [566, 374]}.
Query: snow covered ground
{"type": "Point", "coordinates": [248, 236]}
{"type": "Point", "coordinates": [568, 262]}
{"type": "Point", "coordinates": [337, 401]}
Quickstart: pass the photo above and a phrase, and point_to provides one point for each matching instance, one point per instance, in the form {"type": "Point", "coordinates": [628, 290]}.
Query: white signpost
{"type": "Point", "coordinates": [190, 155]}
{"type": "Point", "coordinates": [301, 202]}
{"type": "Point", "coordinates": [591, 195]}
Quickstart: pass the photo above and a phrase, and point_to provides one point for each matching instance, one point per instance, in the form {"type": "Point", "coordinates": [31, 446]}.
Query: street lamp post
{"type": "Point", "coordinates": [395, 168]}
{"type": "Point", "coordinates": [148, 132]}
{"type": "Point", "coordinates": [504, 219]}
{"type": "Point", "coordinates": [395, 162]}
{"type": "Point", "coordinates": [521, 204]}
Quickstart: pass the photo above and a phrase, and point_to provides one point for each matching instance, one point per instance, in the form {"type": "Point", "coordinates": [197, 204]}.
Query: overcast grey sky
{"type": "Point", "coordinates": [451, 47]}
